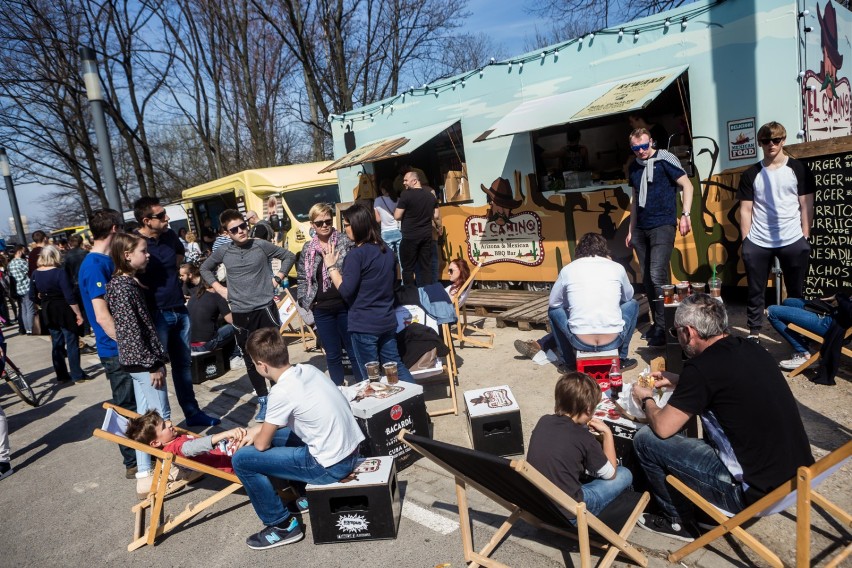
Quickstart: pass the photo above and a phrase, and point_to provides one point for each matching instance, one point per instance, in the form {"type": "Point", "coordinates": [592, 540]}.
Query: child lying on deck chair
{"type": "Point", "coordinates": [151, 429]}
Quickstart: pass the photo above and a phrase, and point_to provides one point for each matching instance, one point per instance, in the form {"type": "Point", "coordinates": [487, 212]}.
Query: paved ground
{"type": "Point", "coordinates": [68, 501]}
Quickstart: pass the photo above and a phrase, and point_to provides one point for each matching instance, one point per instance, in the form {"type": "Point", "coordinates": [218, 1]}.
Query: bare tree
{"type": "Point", "coordinates": [589, 15]}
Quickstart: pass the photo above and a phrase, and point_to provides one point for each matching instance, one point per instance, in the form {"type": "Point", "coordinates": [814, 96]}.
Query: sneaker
{"type": "Point", "coordinates": [656, 340]}
{"type": "Point", "coordinates": [84, 379]}
{"type": "Point", "coordinates": [661, 525]}
{"type": "Point", "coordinates": [299, 506]}
{"type": "Point", "coordinates": [145, 480]}
{"type": "Point", "coordinates": [130, 472]}
{"type": "Point", "coordinates": [527, 348]}
{"type": "Point", "coordinates": [754, 338]}
{"type": "Point", "coordinates": [628, 363]}
{"type": "Point", "coordinates": [238, 363]}
{"type": "Point", "coordinates": [88, 350]}
{"type": "Point", "coordinates": [564, 369]}
{"type": "Point", "coordinates": [261, 410]}
{"type": "Point", "coordinates": [201, 419]}
{"type": "Point", "coordinates": [270, 537]}
{"type": "Point", "coordinates": [795, 362]}
{"type": "Point", "coordinates": [6, 469]}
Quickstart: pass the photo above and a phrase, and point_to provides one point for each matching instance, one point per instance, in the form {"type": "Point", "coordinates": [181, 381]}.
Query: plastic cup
{"type": "Point", "coordinates": [697, 287]}
{"type": "Point", "coordinates": [373, 371]}
{"type": "Point", "coordinates": [391, 373]}
{"type": "Point", "coordinates": [715, 285]}
{"type": "Point", "coordinates": [682, 291]}
{"type": "Point", "coordinates": [668, 294]}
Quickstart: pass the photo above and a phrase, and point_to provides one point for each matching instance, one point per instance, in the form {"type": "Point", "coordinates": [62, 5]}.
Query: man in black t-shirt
{"type": "Point", "coordinates": [205, 308]}
{"type": "Point", "coordinates": [754, 439]}
{"type": "Point", "coordinates": [417, 208]}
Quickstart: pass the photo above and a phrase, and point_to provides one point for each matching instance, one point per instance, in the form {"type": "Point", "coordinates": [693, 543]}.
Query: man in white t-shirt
{"type": "Point", "coordinates": [309, 436]}
{"type": "Point", "coordinates": [591, 304]}
{"type": "Point", "coordinates": [776, 212]}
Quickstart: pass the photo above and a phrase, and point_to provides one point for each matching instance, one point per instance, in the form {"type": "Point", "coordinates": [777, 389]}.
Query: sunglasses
{"type": "Point", "coordinates": [323, 223]}
{"type": "Point", "coordinates": [776, 141]}
{"type": "Point", "coordinates": [345, 224]}
{"type": "Point", "coordinates": [241, 227]}
{"type": "Point", "coordinates": [638, 147]}
{"type": "Point", "coordinates": [673, 331]}
{"type": "Point", "coordinates": [161, 215]}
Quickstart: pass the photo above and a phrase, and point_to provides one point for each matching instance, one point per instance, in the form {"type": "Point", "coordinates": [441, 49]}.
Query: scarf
{"type": "Point", "coordinates": [648, 174]}
{"type": "Point", "coordinates": [315, 247]}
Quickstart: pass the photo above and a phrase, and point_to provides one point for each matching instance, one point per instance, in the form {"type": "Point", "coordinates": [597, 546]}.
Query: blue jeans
{"type": "Point", "coordinates": [654, 252]}
{"type": "Point", "coordinates": [392, 238]}
{"type": "Point", "coordinates": [149, 398]}
{"type": "Point", "coordinates": [381, 348]}
{"type": "Point", "coordinates": [26, 314]}
{"type": "Point", "coordinates": [65, 341]}
{"type": "Point", "coordinates": [290, 459]}
{"type": "Point", "coordinates": [599, 493]}
{"type": "Point", "coordinates": [548, 343]}
{"type": "Point", "coordinates": [225, 336]}
{"type": "Point", "coordinates": [333, 331]}
{"type": "Point", "coordinates": [790, 311]}
{"type": "Point", "coordinates": [696, 464]}
{"type": "Point", "coordinates": [173, 331]}
{"type": "Point", "coordinates": [121, 384]}
{"type": "Point", "coordinates": [568, 342]}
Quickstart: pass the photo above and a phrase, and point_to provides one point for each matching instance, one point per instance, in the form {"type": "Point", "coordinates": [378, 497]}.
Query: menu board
{"type": "Point", "coordinates": [831, 237]}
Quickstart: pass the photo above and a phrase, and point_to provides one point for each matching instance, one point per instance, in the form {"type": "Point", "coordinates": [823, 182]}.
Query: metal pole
{"type": "Point", "coordinates": [95, 96]}
{"type": "Point", "coordinates": [13, 200]}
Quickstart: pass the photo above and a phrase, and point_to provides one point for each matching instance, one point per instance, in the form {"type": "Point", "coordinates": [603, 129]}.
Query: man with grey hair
{"type": "Point", "coordinates": [753, 435]}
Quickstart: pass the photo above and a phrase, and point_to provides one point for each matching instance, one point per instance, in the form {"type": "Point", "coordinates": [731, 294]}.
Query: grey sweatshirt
{"type": "Point", "coordinates": [249, 274]}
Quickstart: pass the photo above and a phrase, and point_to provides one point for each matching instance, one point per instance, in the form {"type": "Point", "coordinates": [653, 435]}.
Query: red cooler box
{"type": "Point", "coordinates": [383, 413]}
{"type": "Point", "coordinates": [365, 508]}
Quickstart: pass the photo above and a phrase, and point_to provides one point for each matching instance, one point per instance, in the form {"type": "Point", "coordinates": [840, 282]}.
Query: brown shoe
{"type": "Point", "coordinates": [527, 348]}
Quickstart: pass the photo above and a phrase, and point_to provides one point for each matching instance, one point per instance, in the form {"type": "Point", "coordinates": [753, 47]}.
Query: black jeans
{"type": "Point", "coordinates": [654, 252]}
{"type": "Point", "coordinates": [121, 384]}
{"type": "Point", "coordinates": [794, 259]}
{"type": "Point", "coordinates": [416, 254]}
{"type": "Point", "coordinates": [247, 322]}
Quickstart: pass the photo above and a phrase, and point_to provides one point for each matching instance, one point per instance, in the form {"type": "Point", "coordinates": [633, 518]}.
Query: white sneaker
{"type": "Point", "coordinates": [797, 361]}
{"type": "Point", "coordinates": [238, 363]}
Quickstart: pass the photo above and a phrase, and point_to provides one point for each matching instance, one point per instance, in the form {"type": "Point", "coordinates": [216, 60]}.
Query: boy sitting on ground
{"type": "Point", "coordinates": [562, 448]}
{"type": "Point", "coordinates": [152, 430]}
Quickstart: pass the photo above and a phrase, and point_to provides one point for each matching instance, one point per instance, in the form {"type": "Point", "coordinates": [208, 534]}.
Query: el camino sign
{"type": "Point", "coordinates": [518, 240]}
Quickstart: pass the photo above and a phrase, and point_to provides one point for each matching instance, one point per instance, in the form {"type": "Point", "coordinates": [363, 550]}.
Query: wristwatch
{"type": "Point", "coordinates": [685, 214]}
{"type": "Point", "coordinates": [277, 278]}
{"type": "Point", "coordinates": [644, 400]}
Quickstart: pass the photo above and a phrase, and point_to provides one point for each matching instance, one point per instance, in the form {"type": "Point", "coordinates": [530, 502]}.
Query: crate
{"type": "Point", "coordinates": [208, 365]}
{"type": "Point", "coordinates": [597, 364]}
{"type": "Point", "coordinates": [494, 421]}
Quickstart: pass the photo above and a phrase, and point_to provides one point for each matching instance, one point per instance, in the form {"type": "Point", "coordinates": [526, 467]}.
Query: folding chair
{"type": "Point", "coordinates": [799, 489]}
{"type": "Point", "coordinates": [443, 365]}
{"type": "Point", "coordinates": [288, 311]}
{"type": "Point", "coordinates": [528, 495]}
{"type": "Point", "coordinates": [466, 333]}
{"type": "Point", "coordinates": [115, 422]}
{"type": "Point", "coordinates": [815, 357]}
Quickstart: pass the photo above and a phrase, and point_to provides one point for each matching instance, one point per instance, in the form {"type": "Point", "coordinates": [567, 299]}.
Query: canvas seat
{"type": "Point", "coordinates": [465, 332]}
{"type": "Point", "coordinates": [819, 340]}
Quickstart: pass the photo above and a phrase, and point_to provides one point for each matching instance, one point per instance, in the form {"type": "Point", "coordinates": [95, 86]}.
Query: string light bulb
{"type": "Point", "coordinates": [591, 36]}
{"type": "Point", "coordinates": [683, 23]}
{"type": "Point", "coordinates": [543, 54]}
{"type": "Point", "coordinates": [621, 32]}
{"type": "Point", "coordinates": [666, 24]}
{"type": "Point", "coordinates": [636, 34]}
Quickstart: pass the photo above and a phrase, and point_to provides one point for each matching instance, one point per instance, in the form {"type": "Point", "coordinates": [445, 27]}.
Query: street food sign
{"type": "Point", "coordinates": [517, 240]}
{"type": "Point", "coordinates": [623, 97]}
{"type": "Point", "coordinates": [742, 139]}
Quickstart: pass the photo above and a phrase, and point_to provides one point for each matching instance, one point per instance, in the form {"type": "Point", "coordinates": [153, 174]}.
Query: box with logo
{"type": "Point", "coordinates": [494, 421]}
{"type": "Point", "coordinates": [383, 410]}
{"type": "Point", "coordinates": [209, 365]}
{"type": "Point", "coordinates": [367, 507]}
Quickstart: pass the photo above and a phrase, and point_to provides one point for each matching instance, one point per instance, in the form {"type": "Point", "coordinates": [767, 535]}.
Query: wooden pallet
{"type": "Point", "coordinates": [526, 315]}
{"type": "Point", "coordinates": [491, 303]}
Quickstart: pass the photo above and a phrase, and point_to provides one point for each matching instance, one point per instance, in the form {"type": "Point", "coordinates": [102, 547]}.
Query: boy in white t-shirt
{"type": "Point", "coordinates": [309, 435]}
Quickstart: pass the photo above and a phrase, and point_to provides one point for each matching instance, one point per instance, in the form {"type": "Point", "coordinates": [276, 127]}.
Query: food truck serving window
{"type": "Point", "coordinates": [300, 201]}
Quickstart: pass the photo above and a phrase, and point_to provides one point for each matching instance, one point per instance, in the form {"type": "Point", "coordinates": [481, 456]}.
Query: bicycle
{"type": "Point", "coordinates": [18, 381]}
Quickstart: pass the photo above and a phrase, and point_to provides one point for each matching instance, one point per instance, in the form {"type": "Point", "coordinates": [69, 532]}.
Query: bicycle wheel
{"type": "Point", "coordinates": [19, 383]}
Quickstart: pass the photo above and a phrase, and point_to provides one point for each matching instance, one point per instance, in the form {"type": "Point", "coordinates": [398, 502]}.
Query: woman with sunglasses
{"type": "Point", "coordinates": [458, 272]}
{"type": "Point", "coordinates": [776, 212]}
{"type": "Point", "coordinates": [366, 283]}
{"type": "Point", "coordinates": [317, 293]}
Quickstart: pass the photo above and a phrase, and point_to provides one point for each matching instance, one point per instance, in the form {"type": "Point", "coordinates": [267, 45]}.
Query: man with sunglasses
{"type": "Point", "coordinates": [656, 178]}
{"type": "Point", "coordinates": [776, 212]}
{"type": "Point", "coordinates": [251, 287]}
{"type": "Point", "coordinates": [164, 294]}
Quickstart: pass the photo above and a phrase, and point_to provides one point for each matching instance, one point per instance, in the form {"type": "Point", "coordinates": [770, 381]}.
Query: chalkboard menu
{"type": "Point", "coordinates": [831, 237]}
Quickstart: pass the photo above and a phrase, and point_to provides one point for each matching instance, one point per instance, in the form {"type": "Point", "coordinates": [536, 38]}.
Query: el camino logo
{"type": "Point", "coordinates": [519, 240]}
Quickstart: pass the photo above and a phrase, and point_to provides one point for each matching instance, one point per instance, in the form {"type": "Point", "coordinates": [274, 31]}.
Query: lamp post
{"type": "Point", "coordinates": [13, 200]}
{"type": "Point", "coordinates": [96, 99]}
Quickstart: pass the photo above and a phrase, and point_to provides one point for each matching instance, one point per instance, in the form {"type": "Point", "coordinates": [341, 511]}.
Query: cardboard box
{"type": "Point", "coordinates": [209, 365]}
{"type": "Point", "coordinates": [365, 508]}
{"type": "Point", "coordinates": [382, 414]}
{"type": "Point", "coordinates": [494, 421]}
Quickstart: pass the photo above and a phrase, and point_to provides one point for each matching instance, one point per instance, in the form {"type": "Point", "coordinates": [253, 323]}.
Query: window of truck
{"type": "Point", "coordinates": [300, 201]}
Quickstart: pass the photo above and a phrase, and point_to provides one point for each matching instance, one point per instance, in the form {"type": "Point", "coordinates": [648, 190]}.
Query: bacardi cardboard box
{"type": "Point", "coordinates": [494, 419]}
{"type": "Point", "coordinates": [367, 507]}
{"type": "Point", "coordinates": [383, 413]}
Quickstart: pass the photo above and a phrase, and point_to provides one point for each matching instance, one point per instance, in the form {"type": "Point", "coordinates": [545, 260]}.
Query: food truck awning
{"type": "Point", "coordinates": [583, 104]}
{"type": "Point", "coordinates": [389, 147]}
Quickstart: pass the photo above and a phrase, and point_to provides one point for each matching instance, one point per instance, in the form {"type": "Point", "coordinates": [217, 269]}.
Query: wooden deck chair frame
{"type": "Point", "coordinates": [466, 333]}
{"type": "Point", "coordinates": [289, 313]}
{"type": "Point", "coordinates": [802, 485]}
{"type": "Point", "coordinates": [163, 461]}
{"type": "Point", "coordinates": [551, 495]}
{"type": "Point", "coordinates": [447, 367]}
{"type": "Point", "coordinates": [815, 357]}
